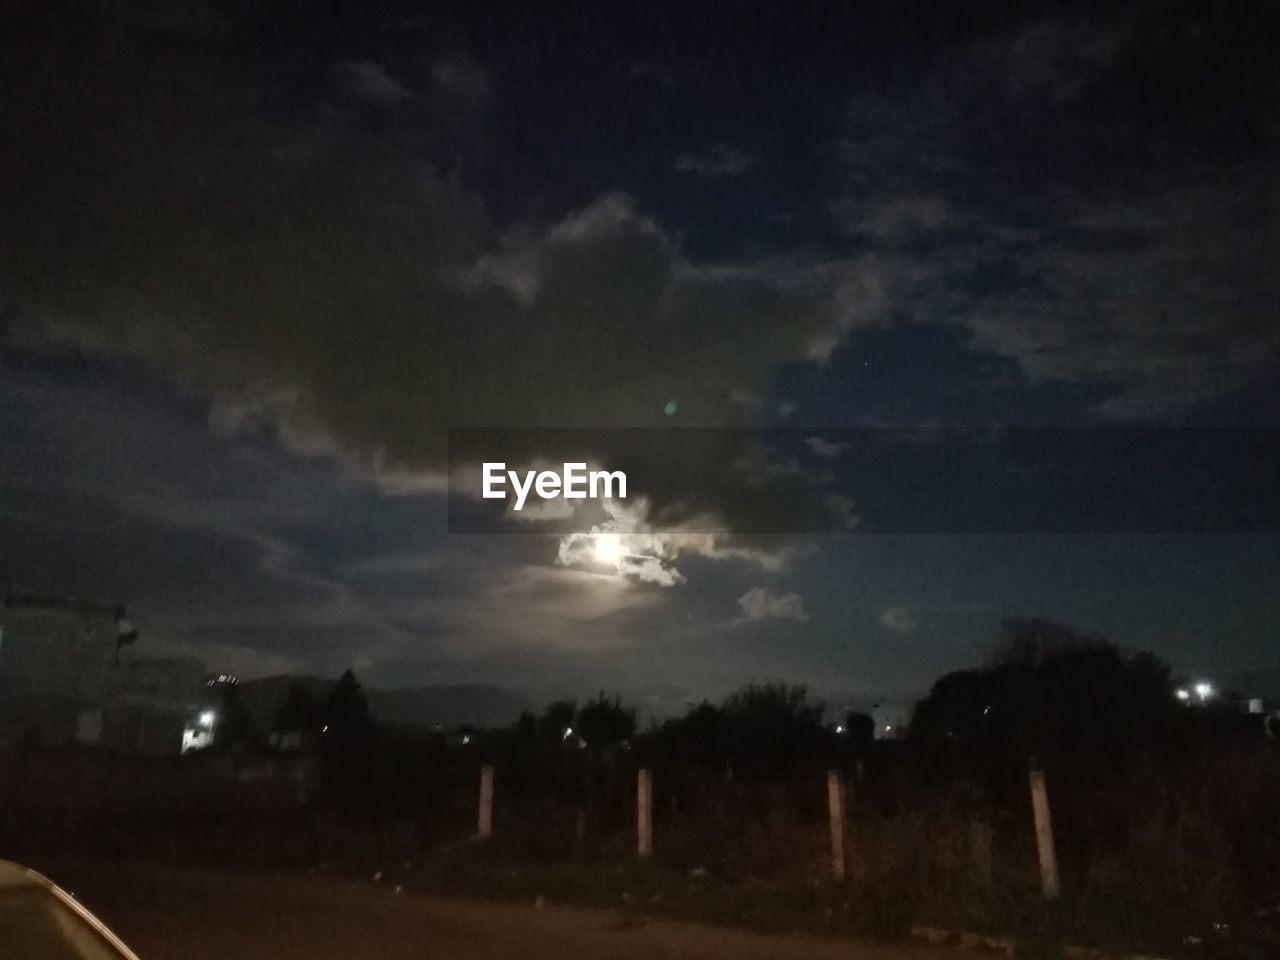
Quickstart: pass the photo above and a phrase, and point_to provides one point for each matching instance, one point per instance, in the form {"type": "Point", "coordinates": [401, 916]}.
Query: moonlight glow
{"type": "Point", "coordinates": [607, 549]}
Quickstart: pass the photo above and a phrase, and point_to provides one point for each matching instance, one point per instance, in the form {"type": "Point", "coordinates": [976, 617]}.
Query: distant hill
{"type": "Point", "coordinates": [452, 705]}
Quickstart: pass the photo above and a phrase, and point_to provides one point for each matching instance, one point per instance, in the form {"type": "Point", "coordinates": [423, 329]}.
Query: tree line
{"type": "Point", "coordinates": [1047, 692]}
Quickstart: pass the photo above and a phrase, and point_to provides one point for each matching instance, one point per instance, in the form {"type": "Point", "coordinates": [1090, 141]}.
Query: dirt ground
{"type": "Point", "coordinates": [172, 914]}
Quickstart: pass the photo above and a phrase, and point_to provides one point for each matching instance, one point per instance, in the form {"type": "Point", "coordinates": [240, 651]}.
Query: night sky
{"type": "Point", "coordinates": [257, 257]}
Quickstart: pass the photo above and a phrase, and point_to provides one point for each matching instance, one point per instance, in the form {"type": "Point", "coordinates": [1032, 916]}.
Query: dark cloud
{"type": "Point", "coordinates": [115, 496]}
{"type": "Point", "coordinates": [324, 280]}
{"type": "Point", "coordinates": [760, 603]}
{"type": "Point", "coordinates": [899, 620]}
{"type": "Point", "coordinates": [305, 246]}
{"type": "Point", "coordinates": [721, 160]}
{"type": "Point", "coordinates": [371, 81]}
{"type": "Point", "coordinates": [660, 74]}
{"type": "Point", "coordinates": [1035, 193]}
{"type": "Point", "coordinates": [258, 562]}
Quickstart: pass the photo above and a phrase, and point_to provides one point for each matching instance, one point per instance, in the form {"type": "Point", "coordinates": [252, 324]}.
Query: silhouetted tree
{"type": "Point", "coordinates": [527, 726]}
{"type": "Point", "coordinates": [603, 722]}
{"type": "Point", "coordinates": [557, 718]}
{"type": "Point", "coordinates": [761, 730]}
{"type": "Point", "coordinates": [772, 705]}
{"type": "Point", "coordinates": [300, 712]}
{"type": "Point", "coordinates": [773, 729]}
{"type": "Point", "coordinates": [1029, 640]}
{"type": "Point", "coordinates": [859, 731]}
{"type": "Point", "coordinates": [349, 766]}
{"type": "Point", "coordinates": [698, 737]}
{"type": "Point", "coordinates": [235, 729]}
{"type": "Point", "coordinates": [346, 712]}
{"type": "Point", "coordinates": [1053, 693]}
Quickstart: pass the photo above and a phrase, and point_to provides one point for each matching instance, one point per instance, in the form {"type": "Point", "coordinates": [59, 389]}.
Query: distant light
{"type": "Point", "coordinates": [986, 710]}
{"type": "Point", "coordinates": [207, 718]}
{"type": "Point", "coordinates": [839, 728]}
{"type": "Point", "coordinates": [1182, 694]}
{"type": "Point", "coordinates": [466, 738]}
{"type": "Point", "coordinates": [888, 728]}
{"type": "Point", "coordinates": [568, 732]}
{"type": "Point", "coordinates": [1204, 690]}
{"type": "Point", "coordinates": [671, 408]}
{"type": "Point", "coordinates": [607, 549]}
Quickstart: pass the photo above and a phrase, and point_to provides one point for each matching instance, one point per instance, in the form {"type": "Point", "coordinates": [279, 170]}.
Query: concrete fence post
{"type": "Point", "coordinates": [484, 821]}
{"type": "Point", "coordinates": [644, 813]}
{"type": "Point", "coordinates": [1044, 836]}
{"type": "Point", "coordinates": [835, 813]}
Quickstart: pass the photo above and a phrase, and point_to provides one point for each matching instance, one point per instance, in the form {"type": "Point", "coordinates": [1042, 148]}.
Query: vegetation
{"type": "Point", "coordinates": [1164, 814]}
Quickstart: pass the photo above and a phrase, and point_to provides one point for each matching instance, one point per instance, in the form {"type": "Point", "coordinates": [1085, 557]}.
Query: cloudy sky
{"type": "Point", "coordinates": [258, 259]}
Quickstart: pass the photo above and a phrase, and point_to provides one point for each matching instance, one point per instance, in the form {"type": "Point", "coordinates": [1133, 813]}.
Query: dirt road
{"type": "Point", "coordinates": [168, 914]}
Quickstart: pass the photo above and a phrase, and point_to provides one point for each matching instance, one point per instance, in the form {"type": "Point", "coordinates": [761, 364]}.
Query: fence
{"type": "Point", "coordinates": [1149, 846]}
{"type": "Point", "coordinates": [77, 801]}
{"type": "Point", "coordinates": [788, 822]}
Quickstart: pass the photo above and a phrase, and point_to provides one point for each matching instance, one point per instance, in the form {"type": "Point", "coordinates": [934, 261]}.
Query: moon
{"type": "Point", "coordinates": [607, 549]}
